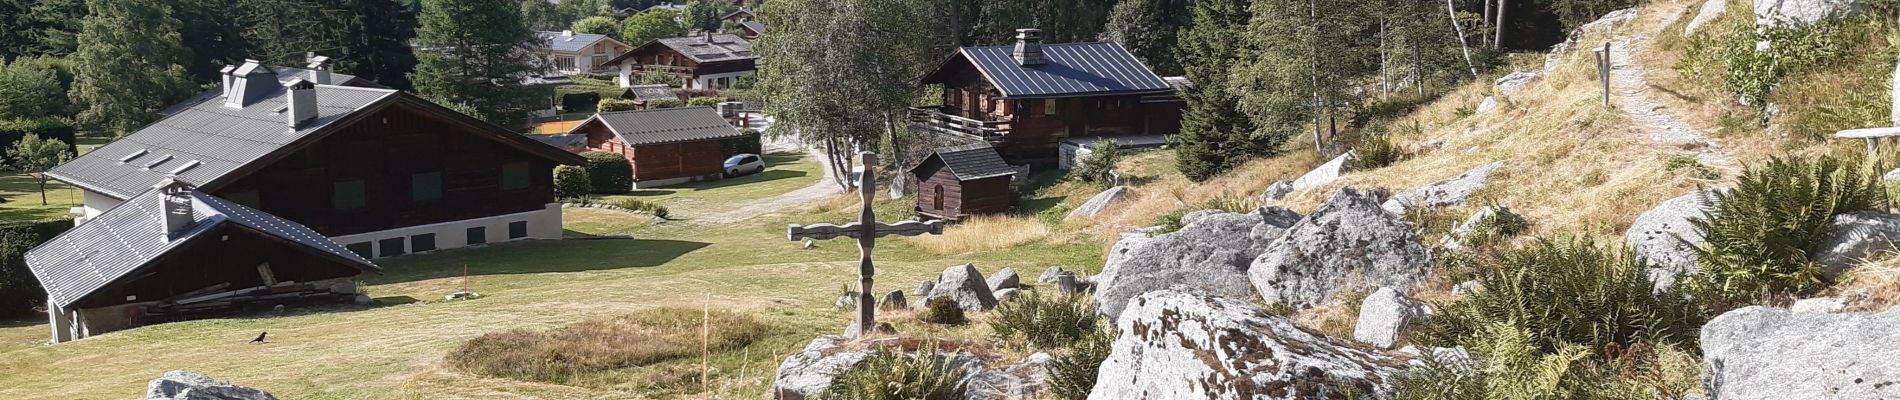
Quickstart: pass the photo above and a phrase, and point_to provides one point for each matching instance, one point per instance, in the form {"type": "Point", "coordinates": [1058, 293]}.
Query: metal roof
{"type": "Point", "coordinates": [126, 238]}
{"type": "Point", "coordinates": [664, 125]}
{"type": "Point", "coordinates": [652, 92]}
{"type": "Point", "coordinates": [972, 162]}
{"type": "Point", "coordinates": [1072, 69]}
{"type": "Point", "coordinates": [284, 75]}
{"type": "Point", "coordinates": [754, 25]}
{"type": "Point", "coordinates": [711, 48]}
{"type": "Point", "coordinates": [558, 41]}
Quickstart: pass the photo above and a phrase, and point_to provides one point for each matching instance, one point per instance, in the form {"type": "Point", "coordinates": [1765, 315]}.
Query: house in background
{"type": "Point", "coordinates": [382, 171]}
{"type": "Point", "coordinates": [576, 53]}
{"type": "Point", "coordinates": [1026, 99]}
{"type": "Point", "coordinates": [704, 60]}
{"type": "Point", "coordinates": [172, 253]}
{"type": "Point", "coordinates": [954, 183]}
{"type": "Point", "coordinates": [747, 23]}
{"type": "Point", "coordinates": [666, 146]}
{"type": "Point", "coordinates": [752, 29]}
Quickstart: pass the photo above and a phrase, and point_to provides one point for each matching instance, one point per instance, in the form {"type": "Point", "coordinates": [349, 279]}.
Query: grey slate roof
{"type": "Point", "coordinates": [126, 238]}
{"type": "Point", "coordinates": [755, 26]}
{"type": "Point", "coordinates": [652, 92]}
{"type": "Point", "coordinates": [664, 125]}
{"type": "Point", "coordinates": [578, 41]}
{"type": "Point", "coordinates": [1072, 69]}
{"type": "Point", "coordinates": [207, 141]}
{"type": "Point", "coordinates": [284, 75]}
{"type": "Point", "coordinates": [721, 47]}
{"type": "Point", "coordinates": [973, 161]}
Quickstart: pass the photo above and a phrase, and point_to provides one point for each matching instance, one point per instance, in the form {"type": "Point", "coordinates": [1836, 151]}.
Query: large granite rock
{"type": "Point", "coordinates": [807, 373]}
{"type": "Point", "coordinates": [1456, 238]}
{"type": "Point", "coordinates": [1664, 238]}
{"type": "Point", "coordinates": [1449, 192]}
{"type": "Point", "coordinates": [1174, 344]}
{"type": "Point", "coordinates": [1100, 202]}
{"type": "Point", "coordinates": [1325, 173]}
{"type": "Point", "coordinates": [1800, 13]}
{"type": "Point", "coordinates": [1025, 380]}
{"type": "Point", "coordinates": [1767, 353]}
{"type": "Point", "coordinates": [1854, 238]}
{"type": "Point", "coordinates": [1489, 103]}
{"type": "Point", "coordinates": [1004, 279]}
{"type": "Point", "coordinates": [1276, 192]}
{"type": "Point", "coordinates": [1516, 81]}
{"type": "Point", "coordinates": [1347, 242]}
{"type": "Point", "coordinates": [965, 285]}
{"type": "Point", "coordinates": [187, 385]}
{"type": "Point", "coordinates": [1384, 315]}
{"type": "Point", "coordinates": [1211, 254]}
{"type": "Point", "coordinates": [1710, 9]}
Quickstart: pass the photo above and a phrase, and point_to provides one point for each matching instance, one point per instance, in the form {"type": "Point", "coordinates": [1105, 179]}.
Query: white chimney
{"type": "Point", "coordinates": [1029, 47]}
{"type": "Point", "coordinates": [249, 83]}
{"type": "Point", "coordinates": [303, 103]}
{"type": "Point", "coordinates": [319, 67]}
{"type": "Point", "coordinates": [176, 198]}
{"type": "Point", "coordinates": [567, 34]}
{"type": "Point", "coordinates": [228, 80]}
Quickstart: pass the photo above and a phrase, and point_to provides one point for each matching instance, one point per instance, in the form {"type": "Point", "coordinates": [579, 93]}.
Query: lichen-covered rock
{"type": "Point", "coordinates": [923, 288]}
{"type": "Point", "coordinates": [807, 373]}
{"type": "Point", "coordinates": [1854, 238]}
{"type": "Point", "coordinates": [1276, 192]}
{"type": "Point", "coordinates": [965, 285]}
{"type": "Point", "coordinates": [1049, 275]}
{"type": "Point", "coordinates": [1384, 315]}
{"type": "Point", "coordinates": [1664, 238]}
{"type": "Point", "coordinates": [1211, 254]}
{"type": "Point", "coordinates": [1449, 192]}
{"type": "Point", "coordinates": [1100, 202]}
{"type": "Point", "coordinates": [1006, 294]}
{"type": "Point", "coordinates": [1710, 9]}
{"type": "Point", "coordinates": [1025, 380]}
{"type": "Point", "coordinates": [1767, 353]}
{"type": "Point", "coordinates": [1347, 242]}
{"type": "Point", "coordinates": [1802, 13]}
{"type": "Point", "coordinates": [187, 385]}
{"type": "Point", "coordinates": [1004, 279]}
{"type": "Point", "coordinates": [1325, 173]}
{"type": "Point", "coordinates": [1173, 344]}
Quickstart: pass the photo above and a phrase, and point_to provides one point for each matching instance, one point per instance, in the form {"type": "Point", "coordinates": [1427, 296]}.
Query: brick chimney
{"type": "Point", "coordinates": [176, 206]}
{"type": "Point", "coordinates": [1029, 47]}
{"type": "Point", "coordinates": [319, 67]}
{"type": "Point", "coordinates": [302, 96]}
{"type": "Point", "coordinates": [247, 84]}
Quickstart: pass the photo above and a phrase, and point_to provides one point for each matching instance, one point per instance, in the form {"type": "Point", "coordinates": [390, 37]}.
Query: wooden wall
{"type": "Point", "coordinates": [659, 54]}
{"type": "Point", "coordinates": [677, 160]}
{"type": "Point", "coordinates": [960, 198]}
{"type": "Point", "coordinates": [384, 150]}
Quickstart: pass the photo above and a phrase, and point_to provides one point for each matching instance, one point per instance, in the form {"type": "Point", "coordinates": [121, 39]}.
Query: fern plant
{"type": "Point", "coordinates": [1758, 236]}
{"type": "Point", "coordinates": [1043, 321]}
{"type": "Point", "coordinates": [1507, 366]}
{"type": "Point", "coordinates": [1072, 375]}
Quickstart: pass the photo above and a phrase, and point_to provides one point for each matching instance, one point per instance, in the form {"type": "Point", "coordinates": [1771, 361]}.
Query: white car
{"type": "Point", "coordinates": [744, 164]}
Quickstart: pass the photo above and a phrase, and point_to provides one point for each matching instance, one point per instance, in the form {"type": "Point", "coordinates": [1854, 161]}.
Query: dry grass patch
{"type": "Point", "coordinates": [1873, 286]}
{"type": "Point", "coordinates": [983, 233]}
{"type": "Point", "coordinates": [570, 354]}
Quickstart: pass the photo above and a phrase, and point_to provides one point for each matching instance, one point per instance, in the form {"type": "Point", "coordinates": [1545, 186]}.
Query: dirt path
{"type": "Point", "coordinates": [826, 187]}
{"type": "Point", "coordinates": [1629, 91]}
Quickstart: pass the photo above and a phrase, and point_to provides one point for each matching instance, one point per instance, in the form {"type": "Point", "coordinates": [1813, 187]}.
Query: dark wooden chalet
{"type": "Point", "coordinates": [956, 182]}
{"type": "Point", "coordinates": [704, 60]}
{"type": "Point", "coordinates": [1027, 98]}
{"type": "Point", "coordinates": [383, 171]}
{"type": "Point", "coordinates": [666, 146]}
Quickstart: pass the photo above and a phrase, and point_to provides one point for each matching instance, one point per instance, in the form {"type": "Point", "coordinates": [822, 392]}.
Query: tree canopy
{"type": "Point", "coordinates": [598, 25]}
{"type": "Point", "coordinates": [130, 63]}
{"type": "Point", "coordinates": [652, 25]}
{"type": "Point", "coordinates": [476, 53]}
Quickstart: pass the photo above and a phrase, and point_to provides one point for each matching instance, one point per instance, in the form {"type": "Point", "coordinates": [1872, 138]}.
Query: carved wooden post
{"type": "Point", "coordinates": [1603, 70]}
{"type": "Point", "coordinates": [866, 230]}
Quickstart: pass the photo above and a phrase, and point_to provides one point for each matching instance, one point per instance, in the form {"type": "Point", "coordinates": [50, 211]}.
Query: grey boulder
{"type": "Point", "coordinates": [807, 373]}
{"type": "Point", "coordinates": [1325, 173]}
{"type": "Point", "coordinates": [1455, 239]}
{"type": "Point", "coordinates": [1803, 13]}
{"type": "Point", "coordinates": [892, 301]}
{"type": "Point", "coordinates": [1710, 9]}
{"type": "Point", "coordinates": [1211, 254]}
{"type": "Point", "coordinates": [1767, 353]}
{"type": "Point", "coordinates": [1049, 275]}
{"type": "Point", "coordinates": [1348, 242]}
{"type": "Point", "coordinates": [1384, 315]}
{"type": "Point", "coordinates": [1100, 202]}
{"type": "Point", "coordinates": [1856, 237]}
{"type": "Point", "coordinates": [1025, 380]}
{"type": "Point", "coordinates": [187, 385]}
{"type": "Point", "coordinates": [1004, 279]}
{"type": "Point", "coordinates": [1174, 344]}
{"type": "Point", "coordinates": [1489, 103]}
{"type": "Point", "coordinates": [1516, 81]}
{"type": "Point", "coordinates": [1276, 192]}
{"type": "Point", "coordinates": [1450, 192]}
{"type": "Point", "coordinates": [964, 285]}
{"type": "Point", "coordinates": [1664, 238]}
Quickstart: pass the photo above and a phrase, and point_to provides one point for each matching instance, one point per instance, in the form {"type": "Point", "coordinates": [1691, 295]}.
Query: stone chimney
{"type": "Point", "coordinates": [247, 84]}
{"type": "Point", "coordinates": [319, 67]}
{"type": "Point", "coordinates": [176, 198]}
{"type": "Point", "coordinates": [302, 96]}
{"type": "Point", "coordinates": [1029, 47]}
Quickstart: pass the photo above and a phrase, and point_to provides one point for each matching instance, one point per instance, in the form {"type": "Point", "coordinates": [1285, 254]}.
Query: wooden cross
{"type": "Point", "coordinates": [1873, 136]}
{"type": "Point", "coordinates": [866, 230]}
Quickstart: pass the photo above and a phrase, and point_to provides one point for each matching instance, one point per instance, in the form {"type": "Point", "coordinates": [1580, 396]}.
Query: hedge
{"type": "Point", "coordinates": [11, 130]}
{"type": "Point", "coordinates": [704, 101]}
{"type": "Point", "coordinates": [748, 144]}
{"type": "Point", "coordinates": [19, 290]}
{"type": "Point", "coordinates": [610, 173]}
{"type": "Point", "coordinates": [611, 105]}
{"type": "Point", "coordinates": [579, 101]}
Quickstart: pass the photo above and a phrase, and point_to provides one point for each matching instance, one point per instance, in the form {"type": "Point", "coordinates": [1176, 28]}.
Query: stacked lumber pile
{"type": "Point", "coordinates": [216, 300]}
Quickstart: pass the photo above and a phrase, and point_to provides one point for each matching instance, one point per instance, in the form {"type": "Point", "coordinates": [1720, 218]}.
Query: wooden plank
{"type": "Point", "coordinates": [1868, 133]}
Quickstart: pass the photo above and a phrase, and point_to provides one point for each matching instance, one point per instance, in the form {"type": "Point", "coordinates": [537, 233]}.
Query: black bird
{"type": "Point", "coordinates": [260, 337]}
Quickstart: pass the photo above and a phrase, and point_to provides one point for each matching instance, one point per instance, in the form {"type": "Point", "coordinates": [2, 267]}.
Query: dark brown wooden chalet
{"type": "Point", "coordinates": [705, 60]}
{"type": "Point", "coordinates": [1027, 98]}
{"type": "Point", "coordinates": [957, 182]}
{"type": "Point", "coordinates": [383, 171]}
{"type": "Point", "coordinates": [666, 146]}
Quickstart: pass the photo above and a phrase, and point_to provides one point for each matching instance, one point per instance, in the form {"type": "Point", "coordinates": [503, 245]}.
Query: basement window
{"type": "Point", "coordinates": [390, 247]}
{"type": "Point", "coordinates": [362, 249]}
{"type": "Point", "coordinates": [517, 229]}
{"type": "Point", "coordinates": [422, 243]}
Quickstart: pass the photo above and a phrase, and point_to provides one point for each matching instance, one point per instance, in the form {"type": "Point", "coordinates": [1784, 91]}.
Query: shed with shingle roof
{"type": "Point", "coordinates": [666, 146]}
{"type": "Point", "coordinates": [954, 183]}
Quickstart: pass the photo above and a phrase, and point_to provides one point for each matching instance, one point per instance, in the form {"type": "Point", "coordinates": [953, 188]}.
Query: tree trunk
{"type": "Point", "coordinates": [42, 188]}
{"type": "Point", "coordinates": [1313, 18]}
{"type": "Point", "coordinates": [1385, 74]}
{"type": "Point", "coordinates": [1497, 40]}
{"type": "Point", "coordinates": [1418, 51]}
{"type": "Point", "coordinates": [1460, 30]}
{"type": "Point", "coordinates": [1484, 35]}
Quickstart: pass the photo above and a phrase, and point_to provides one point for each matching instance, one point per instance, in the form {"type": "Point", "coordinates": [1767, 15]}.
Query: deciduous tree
{"type": "Point", "coordinates": [33, 88]}
{"type": "Point", "coordinates": [1139, 26]}
{"type": "Point", "coordinates": [652, 25]}
{"type": "Point", "coordinates": [598, 25]}
{"type": "Point", "coordinates": [706, 15]}
{"type": "Point", "coordinates": [34, 155]}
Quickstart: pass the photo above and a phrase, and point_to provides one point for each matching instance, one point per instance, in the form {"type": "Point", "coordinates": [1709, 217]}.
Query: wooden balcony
{"type": "Point", "coordinates": [682, 71]}
{"type": "Point", "coordinates": [934, 119]}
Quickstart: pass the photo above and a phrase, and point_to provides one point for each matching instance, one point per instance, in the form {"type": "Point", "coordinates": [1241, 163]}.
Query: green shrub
{"type": "Point", "coordinates": [704, 101]}
{"type": "Point", "coordinates": [570, 182]}
{"type": "Point", "coordinates": [1374, 151]}
{"type": "Point", "coordinates": [611, 105]}
{"type": "Point", "coordinates": [1098, 167]}
{"type": "Point", "coordinates": [1043, 321]}
{"type": "Point", "coordinates": [637, 205]}
{"type": "Point", "coordinates": [1758, 236]}
{"type": "Point", "coordinates": [571, 353]}
{"type": "Point", "coordinates": [1680, 163]}
{"type": "Point", "coordinates": [19, 290]}
{"type": "Point", "coordinates": [893, 375]}
{"type": "Point", "coordinates": [12, 130]}
{"type": "Point", "coordinates": [661, 78]}
{"type": "Point", "coordinates": [1072, 375]}
{"type": "Point", "coordinates": [1566, 291]}
{"type": "Point", "coordinates": [1498, 225]}
{"type": "Point", "coordinates": [1505, 364]}
{"type": "Point", "coordinates": [664, 103]}
{"type": "Point", "coordinates": [942, 311]}
{"type": "Point", "coordinates": [609, 172]}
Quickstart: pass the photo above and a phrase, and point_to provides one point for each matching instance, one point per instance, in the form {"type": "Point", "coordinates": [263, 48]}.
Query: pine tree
{"type": "Point", "coordinates": [130, 63]}
{"type": "Point", "coordinates": [1215, 135]}
{"type": "Point", "coordinates": [379, 49]}
{"type": "Point", "coordinates": [473, 52]}
{"type": "Point", "coordinates": [214, 33]}
{"type": "Point", "coordinates": [1139, 27]}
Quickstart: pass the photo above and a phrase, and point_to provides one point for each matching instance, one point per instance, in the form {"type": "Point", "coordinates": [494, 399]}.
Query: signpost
{"type": "Point", "coordinates": [866, 230]}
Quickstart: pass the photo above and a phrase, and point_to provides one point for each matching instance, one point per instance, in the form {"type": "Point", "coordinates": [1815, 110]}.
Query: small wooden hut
{"type": "Point", "coordinates": [957, 182]}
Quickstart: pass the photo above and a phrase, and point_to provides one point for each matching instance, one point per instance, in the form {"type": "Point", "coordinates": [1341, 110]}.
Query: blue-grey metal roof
{"type": "Point", "coordinates": [973, 161]}
{"type": "Point", "coordinates": [664, 125]}
{"type": "Point", "coordinates": [652, 92]}
{"type": "Point", "coordinates": [284, 75]}
{"type": "Point", "coordinates": [558, 41]}
{"type": "Point", "coordinates": [207, 141]}
{"type": "Point", "coordinates": [755, 26]}
{"type": "Point", "coordinates": [1072, 69]}
{"type": "Point", "coordinates": [126, 238]}
{"type": "Point", "coordinates": [705, 48]}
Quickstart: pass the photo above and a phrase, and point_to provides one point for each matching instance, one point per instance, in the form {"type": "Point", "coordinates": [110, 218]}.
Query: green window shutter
{"type": "Point", "coordinates": [514, 176]}
{"type": "Point", "coordinates": [347, 195]}
{"type": "Point", "coordinates": [426, 186]}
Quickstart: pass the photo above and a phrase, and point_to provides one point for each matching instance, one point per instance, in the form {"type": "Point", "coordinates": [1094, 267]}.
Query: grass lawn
{"type": "Point", "coordinates": [588, 222]}
{"type": "Point", "coordinates": [22, 194]}
{"type": "Point", "coordinates": [784, 172]}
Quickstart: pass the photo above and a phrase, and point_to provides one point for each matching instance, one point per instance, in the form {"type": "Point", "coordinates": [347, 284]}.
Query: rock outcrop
{"type": "Point", "coordinates": [1516, 81]}
{"type": "Point", "coordinates": [1174, 344]}
{"type": "Point", "coordinates": [1456, 238]}
{"type": "Point", "coordinates": [807, 373]}
{"type": "Point", "coordinates": [1325, 173]}
{"type": "Point", "coordinates": [1710, 10]}
{"type": "Point", "coordinates": [187, 385]}
{"type": "Point", "coordinates": [1664, 238]}
{"type": "Point", "coordinates": [1449, 192]}
{"type": "Point", "coordinates": [1100, 202]}
{"type": "Point", "coordinates": [1211, 254]}
{"type": "Point", "coordinates": [1767, 353]}
{"type": "Point", "coordinates": [1347, 242]}
{"type": "Point", "coordinates": [1854, 238]}
{"type": "Point", "coordinates": [1489, 103]}
{"type": "Point", "coordinates": [1802, 13]}
{"type": "Point", "coordinates": [1025, 380]}
{"type": "Point", "coordinates": [1276, 192]}
{"type": "Point", "coordinates": [965, 285]}
{"type": "Point", "coordinates": [1384, 315]}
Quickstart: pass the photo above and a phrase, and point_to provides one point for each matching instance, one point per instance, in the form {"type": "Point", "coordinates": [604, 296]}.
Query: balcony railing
{"type": "Point", "coordinates": [666, 69]}
{"type": "Point", "coordinates": [933, 119]}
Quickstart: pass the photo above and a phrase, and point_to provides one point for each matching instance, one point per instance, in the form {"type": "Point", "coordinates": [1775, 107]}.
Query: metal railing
{"type": "Point", "coordinates": [933, 119]}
